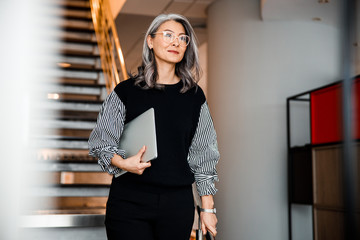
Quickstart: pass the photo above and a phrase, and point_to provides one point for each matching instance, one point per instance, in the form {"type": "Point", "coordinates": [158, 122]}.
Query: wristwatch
{"type": "Point", "coordinates": [213, 210]}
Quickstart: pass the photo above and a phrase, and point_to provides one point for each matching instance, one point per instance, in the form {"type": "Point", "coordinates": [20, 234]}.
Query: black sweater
{"type": "Point", "coordinates": [176, 117]}
{"type": "Point", "coordinates": [186, 139]}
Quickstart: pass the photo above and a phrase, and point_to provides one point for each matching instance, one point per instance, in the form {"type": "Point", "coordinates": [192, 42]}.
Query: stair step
{"type": "Point", "coordinates": [70, 191]}
{"type": "Point", "coordinates": [78, 46]}
{"type": "Point", "coordinates": [74, 97]}
{"type": "Point", "coordinates": [77, 37]}
{"type": "Point", "coordinates": [77, 23]}
{"type": "Point", "coordinates": [96, 86]}
{"type": "Point", "coordinates": [63, 60]}
{"type": "Point", "coordinates": [67, 124]}
{"type": "Point", "coordinates": [76, 14]}
{"type": "Point", "coordinates": [76, 115]}
{"type": "Point", "coordinates": [77, 40]}
{"type": "Point", "coordinates": [69, 130]}
{"type": "Point", "coordinates": [81, 90]}
{"type": "Point", "coordinates": [72, 106]}
{"type": "Point", "coordinates": [80, 82]}
{"type": "Point", "coordinates": [81, 211]}
{"type": "Point", "coordinates": [84, 5]}
{"type": "Point", "coordinates": [71, 204]}
{"type": "Point", "coordinates": [79, 53]}
{"type": "Point", "coordinates": [68, 167]}
{"type": "Point", "coordinates": [79, 67]}
{"type": "Point", "coordinates": [70, 134]}
{"type": "Point", "coordinates": [87, 178]}
{"type": "Point", "coordinates": [66, 130]}
{"type": "Point", "coordinates": [76, 178]}
{"type": "Point", "coordinates": [77, 101]}
{"type": "Point", "coordinates": [58, 73]}
{"type": "Point", "coordinates": [65, 156]}
{"type": "Point", "coordinates": [61, 220]}
{"type": "Point", "coordinates": [69, 115]}
{"type": "Point", "coordinates": [74, 28]}
{"type": "Point", "coordinates": [62, 144]}
{"type": "Point", "coordinates": [64, 138]}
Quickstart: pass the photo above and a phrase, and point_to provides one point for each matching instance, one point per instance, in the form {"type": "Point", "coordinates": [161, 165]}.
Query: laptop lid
{"type": "Point", "coordinates": [139, 132]}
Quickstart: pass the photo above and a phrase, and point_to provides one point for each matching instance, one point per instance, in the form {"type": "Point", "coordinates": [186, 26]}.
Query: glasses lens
{"type": "Point", "coordinates": [184, 40]}
{"type": "Point", "coordinates": [168, 37]}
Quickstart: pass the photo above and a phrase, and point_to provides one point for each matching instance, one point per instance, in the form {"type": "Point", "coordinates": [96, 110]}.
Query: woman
{"type": "Point", "coordinates": [154, 200]}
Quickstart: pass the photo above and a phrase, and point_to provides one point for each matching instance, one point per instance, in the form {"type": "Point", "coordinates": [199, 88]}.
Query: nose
{"type": "Point", "coordinates": [176, 42]}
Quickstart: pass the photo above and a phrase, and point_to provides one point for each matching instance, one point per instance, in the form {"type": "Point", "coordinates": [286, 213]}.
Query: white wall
{"type": "Point", "coordinates": [116, 6]}
{"type": "Point", "coordinates": [203, 49]}
{"type": "Point", "coordinates": [253, 66]}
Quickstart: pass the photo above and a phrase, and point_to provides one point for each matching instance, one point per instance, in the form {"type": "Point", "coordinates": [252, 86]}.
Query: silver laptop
{"type": "Point", "coordinates": [139, 132]}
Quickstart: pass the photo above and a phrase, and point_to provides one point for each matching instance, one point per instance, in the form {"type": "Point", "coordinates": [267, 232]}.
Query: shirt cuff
{"type": "Point", "coordinates": [105, 157]}
{"type": "Point", "coordinates": [206, 186]}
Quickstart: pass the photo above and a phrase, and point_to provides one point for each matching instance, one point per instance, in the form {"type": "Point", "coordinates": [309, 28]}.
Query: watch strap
{"type": "Point", "coordinates": [213, 210]}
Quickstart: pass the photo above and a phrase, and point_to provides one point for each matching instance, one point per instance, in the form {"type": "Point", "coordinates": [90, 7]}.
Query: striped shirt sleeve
{"type": "Point", "coordinates": [203, 154]}
{"type": "Point", "coordinates": [104, 138]}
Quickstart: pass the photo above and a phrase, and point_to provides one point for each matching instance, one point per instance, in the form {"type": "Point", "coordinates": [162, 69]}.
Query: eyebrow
{"type": "Point", "coordinates": [173, 31]}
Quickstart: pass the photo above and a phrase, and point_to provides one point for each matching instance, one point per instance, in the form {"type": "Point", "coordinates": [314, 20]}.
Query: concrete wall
{"type": "Point", "coordinates": [253, 66]}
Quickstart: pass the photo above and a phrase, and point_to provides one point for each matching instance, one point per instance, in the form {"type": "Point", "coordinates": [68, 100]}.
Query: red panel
{"type": "Point", "coordinates": [326, 114]}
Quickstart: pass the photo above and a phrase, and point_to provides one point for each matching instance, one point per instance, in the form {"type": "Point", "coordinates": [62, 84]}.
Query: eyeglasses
{"type": "Point", "coordinates": [170, 37]}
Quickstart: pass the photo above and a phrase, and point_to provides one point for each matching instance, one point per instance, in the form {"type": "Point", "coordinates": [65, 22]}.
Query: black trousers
{"type": "Point", "coordinates": [139, 215]}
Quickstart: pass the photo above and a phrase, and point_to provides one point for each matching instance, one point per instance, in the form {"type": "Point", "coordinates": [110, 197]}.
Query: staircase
{"type": "Point", "coordinates": [76, 189]}
{"type": "Point", "coordinates": [71, 201]}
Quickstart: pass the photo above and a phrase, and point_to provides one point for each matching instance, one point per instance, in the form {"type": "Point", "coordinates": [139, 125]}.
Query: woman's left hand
{"type": "Point", "coordinates": [208, 223]}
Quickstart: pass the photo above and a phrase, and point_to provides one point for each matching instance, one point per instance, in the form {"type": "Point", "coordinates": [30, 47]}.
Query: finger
{"type": "Point", "coordinates": [144, 165]}
{"type": "Point", "coordinates": [142, 150]}
{"type": "Point", "coordinates": [203, 228]}
{"type": "Point", "coordinates": [212, 231]}
{"type": "Point", "coordinates": [140, 171]}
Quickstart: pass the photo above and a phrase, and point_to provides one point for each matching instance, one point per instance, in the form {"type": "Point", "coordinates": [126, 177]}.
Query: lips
{"type": "Point", "coordinates": [173, 51]}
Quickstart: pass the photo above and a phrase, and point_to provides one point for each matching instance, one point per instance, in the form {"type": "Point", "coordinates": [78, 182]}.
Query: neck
{"type": "Point", "coordinates": [166, 74]}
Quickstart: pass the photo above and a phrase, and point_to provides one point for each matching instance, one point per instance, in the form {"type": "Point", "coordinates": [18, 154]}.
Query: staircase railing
{"type": "Point", "coordinates": [108, 42]}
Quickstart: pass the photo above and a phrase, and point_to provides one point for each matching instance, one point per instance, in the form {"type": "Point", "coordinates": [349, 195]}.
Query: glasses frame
{"type": "Point", "coordinates": [175, 37]}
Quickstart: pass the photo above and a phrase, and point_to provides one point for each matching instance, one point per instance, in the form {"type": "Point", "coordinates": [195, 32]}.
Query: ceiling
{"type": "Point", "coordinates": [136, 15]}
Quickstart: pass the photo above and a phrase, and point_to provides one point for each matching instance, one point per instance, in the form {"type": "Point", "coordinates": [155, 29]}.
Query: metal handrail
{"type": "Point", "coordinates": [107, 38]}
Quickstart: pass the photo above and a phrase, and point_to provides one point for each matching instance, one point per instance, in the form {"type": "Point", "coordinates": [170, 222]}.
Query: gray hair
{"type": "Point", "coordinates": [188, 69]}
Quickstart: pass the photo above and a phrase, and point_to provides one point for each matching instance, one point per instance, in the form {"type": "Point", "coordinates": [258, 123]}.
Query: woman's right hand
{"type": "Point", "coordinates": [132, 164]}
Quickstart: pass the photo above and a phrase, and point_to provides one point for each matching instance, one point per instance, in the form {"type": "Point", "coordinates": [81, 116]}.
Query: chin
{"type": "Point", "coordinates": [175, 60]}
{"type": "Point", "coordinates": [172, 61]}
